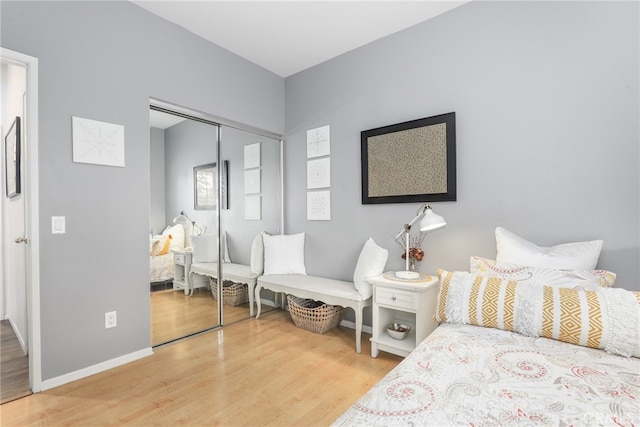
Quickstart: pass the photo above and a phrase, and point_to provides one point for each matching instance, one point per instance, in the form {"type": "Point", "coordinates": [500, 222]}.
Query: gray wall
{"type": "Point", "coordinates": [103, 61]}
{"type": "Point", "coordinates": [546, 102]}
{"type": "Point", "coordinates": [241, 232]}
{"type": "Point", "coordinates": [188, 144]}
{"type": "Point", "coordinates": [157, 217]}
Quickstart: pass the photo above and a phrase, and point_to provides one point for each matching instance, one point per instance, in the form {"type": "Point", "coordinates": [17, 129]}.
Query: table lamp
{"type": "Point", "coordinates": [430, 221]}
{"type": "Point", "coordinates": [190, 226]}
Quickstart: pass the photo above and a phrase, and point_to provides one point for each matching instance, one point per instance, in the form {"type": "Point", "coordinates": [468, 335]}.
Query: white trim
{"type": "Point", "coordinates": [352, 325]}
{"type": "Point", "coordinates": [19, 337]}
{"type": "Point", "coordinates": [32, 216]}
{"type": "Point", "coordinates": [96, 369]}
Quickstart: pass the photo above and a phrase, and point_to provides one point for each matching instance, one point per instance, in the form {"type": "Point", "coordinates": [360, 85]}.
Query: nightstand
{"type": "Point", "coordinates": [181, 270]}
{"type": "Point", "coordinates": [411, 302]}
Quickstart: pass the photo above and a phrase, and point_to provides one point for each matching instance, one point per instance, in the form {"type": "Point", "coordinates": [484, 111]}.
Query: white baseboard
{"type": "Point", "coordinates": [16, 331]}
{"type": "Point", "coordinates": [268, 302]}
{"type": "Point", "coordinates": [352, 325]}
{"type": "Point", "coordinates": [95, 369]}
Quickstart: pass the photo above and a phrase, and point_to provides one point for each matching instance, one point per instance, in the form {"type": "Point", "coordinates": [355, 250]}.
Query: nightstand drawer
{"type": "Point", "coordinates": [395, 298]}
{"type": "Point", "coordinates": [179, 259]}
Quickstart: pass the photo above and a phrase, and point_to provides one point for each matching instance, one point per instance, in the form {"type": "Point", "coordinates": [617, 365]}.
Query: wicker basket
{"type": "Point", "coordinates": [232, 293]}
{"type": "Point", "coordinates": [314, 316]}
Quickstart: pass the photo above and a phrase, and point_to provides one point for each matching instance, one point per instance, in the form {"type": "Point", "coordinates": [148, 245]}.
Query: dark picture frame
{"type": "Point", "coordinates": [12, 159]}
{"type": "Point", "coordinates": [409, 162]}
{"type": "Point", "coordinates": [205, 186]}
{"type": "Point", "coordinates": [225, 185]}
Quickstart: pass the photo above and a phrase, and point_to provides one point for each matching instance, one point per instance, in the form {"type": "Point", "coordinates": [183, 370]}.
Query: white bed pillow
{"type": "Point", "coordinates": [586, 279]}
{"type": "Point", "coordinates": [204, 248]}
{"type": "Point", "coordinates": [371, 263]}
{"type": "Point", "coordinates": [284, 254]}
{"type": "Point", "coordinates": [257, 254]}
{"type": "Point", "coordinates": [177, 236]}
{"type": "Point", "coordinates": [568, 256]}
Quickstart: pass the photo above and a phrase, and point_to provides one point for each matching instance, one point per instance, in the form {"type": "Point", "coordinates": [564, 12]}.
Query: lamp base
{"type": "Point", "coordinates": [407, 274]}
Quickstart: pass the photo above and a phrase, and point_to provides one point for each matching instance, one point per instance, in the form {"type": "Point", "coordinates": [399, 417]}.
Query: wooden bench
{"type": "Point", "coordinates": [329, 291]}
{"type": "Point", "coordinates": [237, 273]}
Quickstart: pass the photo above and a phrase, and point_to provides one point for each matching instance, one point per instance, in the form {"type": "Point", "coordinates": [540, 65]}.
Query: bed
{"type": "Point", "coordinates": [518, 345]}
{"type": "Point", "coordinates": [477, 376]}
{"type": "Point", "coordinates": [161, 268]}
{"type": "Point", "coordinates": [161, 263]}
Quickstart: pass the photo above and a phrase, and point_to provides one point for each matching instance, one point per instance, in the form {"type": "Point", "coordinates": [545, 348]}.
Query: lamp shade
{"type": "Point", "coordinates": [180, 219]}
{"type": "Point", "coordinates": [431, 221]}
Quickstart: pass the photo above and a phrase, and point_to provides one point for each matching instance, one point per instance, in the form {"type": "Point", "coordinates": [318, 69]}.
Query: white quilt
{"type": "Point", "coordinates": [475, 376]}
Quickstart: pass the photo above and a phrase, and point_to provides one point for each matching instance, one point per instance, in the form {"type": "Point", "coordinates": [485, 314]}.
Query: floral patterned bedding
{"type": "Point", "coordinates": [475, 376]}
{"type": "Point", "coordinates": [161, 268]}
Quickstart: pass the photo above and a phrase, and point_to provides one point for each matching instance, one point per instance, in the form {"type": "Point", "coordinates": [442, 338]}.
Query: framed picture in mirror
{"type": "Point", "coordinates": [12, 153]}
{"type": "Point", "coordinates": [205, 186]}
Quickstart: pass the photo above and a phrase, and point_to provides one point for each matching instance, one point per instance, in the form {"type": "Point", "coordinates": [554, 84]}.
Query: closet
{"type": "Point", "coordinates": [221, 182]}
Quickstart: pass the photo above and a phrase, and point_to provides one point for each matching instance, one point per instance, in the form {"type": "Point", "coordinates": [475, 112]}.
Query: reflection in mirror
{"type": "Point", "coordinates": [194, 202]}
{"type": "Point", "coordinates": [205, 179]}
{"type": "Point", "coordinates": [252, 192]}
{"type": "Point", "coordinates": [180, 306]}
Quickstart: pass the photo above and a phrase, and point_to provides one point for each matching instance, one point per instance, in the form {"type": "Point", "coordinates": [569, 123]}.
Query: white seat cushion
{"type": "Point", "coordinates": [230, 271]}
{"type": "Point", "coordinates": [320, 285]}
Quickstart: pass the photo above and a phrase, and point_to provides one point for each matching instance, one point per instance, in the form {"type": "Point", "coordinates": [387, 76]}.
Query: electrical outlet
{"type": "Point", "coordinates": [110, 320]}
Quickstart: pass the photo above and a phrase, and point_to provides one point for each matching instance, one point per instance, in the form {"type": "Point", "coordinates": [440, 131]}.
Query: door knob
{"type": "Point", "coordinates": [21, 240]}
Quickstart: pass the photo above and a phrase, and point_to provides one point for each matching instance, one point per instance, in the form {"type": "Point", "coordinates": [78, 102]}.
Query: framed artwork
{"type": "Point", "coordinates": [225, 184]}
{"type": "Point", "coordinates": [252, 156]}
{"type": "Point", "coordinates": [253, 207]}
{"type": "Point", "coordinates": [319, 142]}
{"type": "Point", "coordinates": [205, 186]}
{"type": "Point", "coordinates": [319, 205]}
{"type": "Point", "coordinates": [319, 173]}
{"type": "Point", "coordinates": [12, 154]}
{"type": "Point", "coordinates": [410, 162]}
{"type": "Point", "coordinates": [97, 142]}
{"type": "Point", "coordinates": [252, 181]}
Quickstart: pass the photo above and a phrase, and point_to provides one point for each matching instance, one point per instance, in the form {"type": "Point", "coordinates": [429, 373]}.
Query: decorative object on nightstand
{"type": "Point", "coordinates": [409, 305]}
{"type": "Point", "coordinates": [430, 221]}
{"type": "Point", "coordinates": [398, 331]}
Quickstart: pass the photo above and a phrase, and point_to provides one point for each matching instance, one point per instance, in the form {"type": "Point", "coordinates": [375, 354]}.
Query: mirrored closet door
{"type": "Point", "coordinates": [214, 189]}
{"type": "Point", "coordinates": [182, 149]}
{"type": "Point", "coordinates": [251, 204]}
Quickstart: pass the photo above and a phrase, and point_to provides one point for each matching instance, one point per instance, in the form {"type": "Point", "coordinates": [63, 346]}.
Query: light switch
{"type": "Point", "coordinates": [57, 225]}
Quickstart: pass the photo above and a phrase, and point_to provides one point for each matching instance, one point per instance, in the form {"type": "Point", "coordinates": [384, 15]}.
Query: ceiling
{"type": "Point", "coordinates": [161, 120]}
{"type": "Point", "coordinates": [286, 37]}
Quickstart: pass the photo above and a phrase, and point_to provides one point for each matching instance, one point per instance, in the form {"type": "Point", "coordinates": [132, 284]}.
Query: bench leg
{"type": "Point", "coordinates": [251, 299]}
{"type": "Point", "coordinates": [258, 302]}
{"type": "Point", "coordinates": [358, 313]}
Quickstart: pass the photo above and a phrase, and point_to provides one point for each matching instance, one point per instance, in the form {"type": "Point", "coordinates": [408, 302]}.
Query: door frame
{"type": "Point", "coordinates": [32, 216]}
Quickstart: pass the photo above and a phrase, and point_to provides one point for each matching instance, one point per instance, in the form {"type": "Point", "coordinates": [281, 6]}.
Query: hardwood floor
{"type": "Point", "coordinates": [175, 315]}
{"type": "Point", "coordinates": [14, 369]}
{"type": "Point", "coordinates": [254, 372]}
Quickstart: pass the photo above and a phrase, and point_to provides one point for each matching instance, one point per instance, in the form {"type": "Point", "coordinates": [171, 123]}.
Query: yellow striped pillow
{"type": "Point", "coordinates": [606, 318]}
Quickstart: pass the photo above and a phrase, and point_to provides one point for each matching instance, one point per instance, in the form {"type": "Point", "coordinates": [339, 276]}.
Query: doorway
{"type": "Point", "coordinates": [19, 249]}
